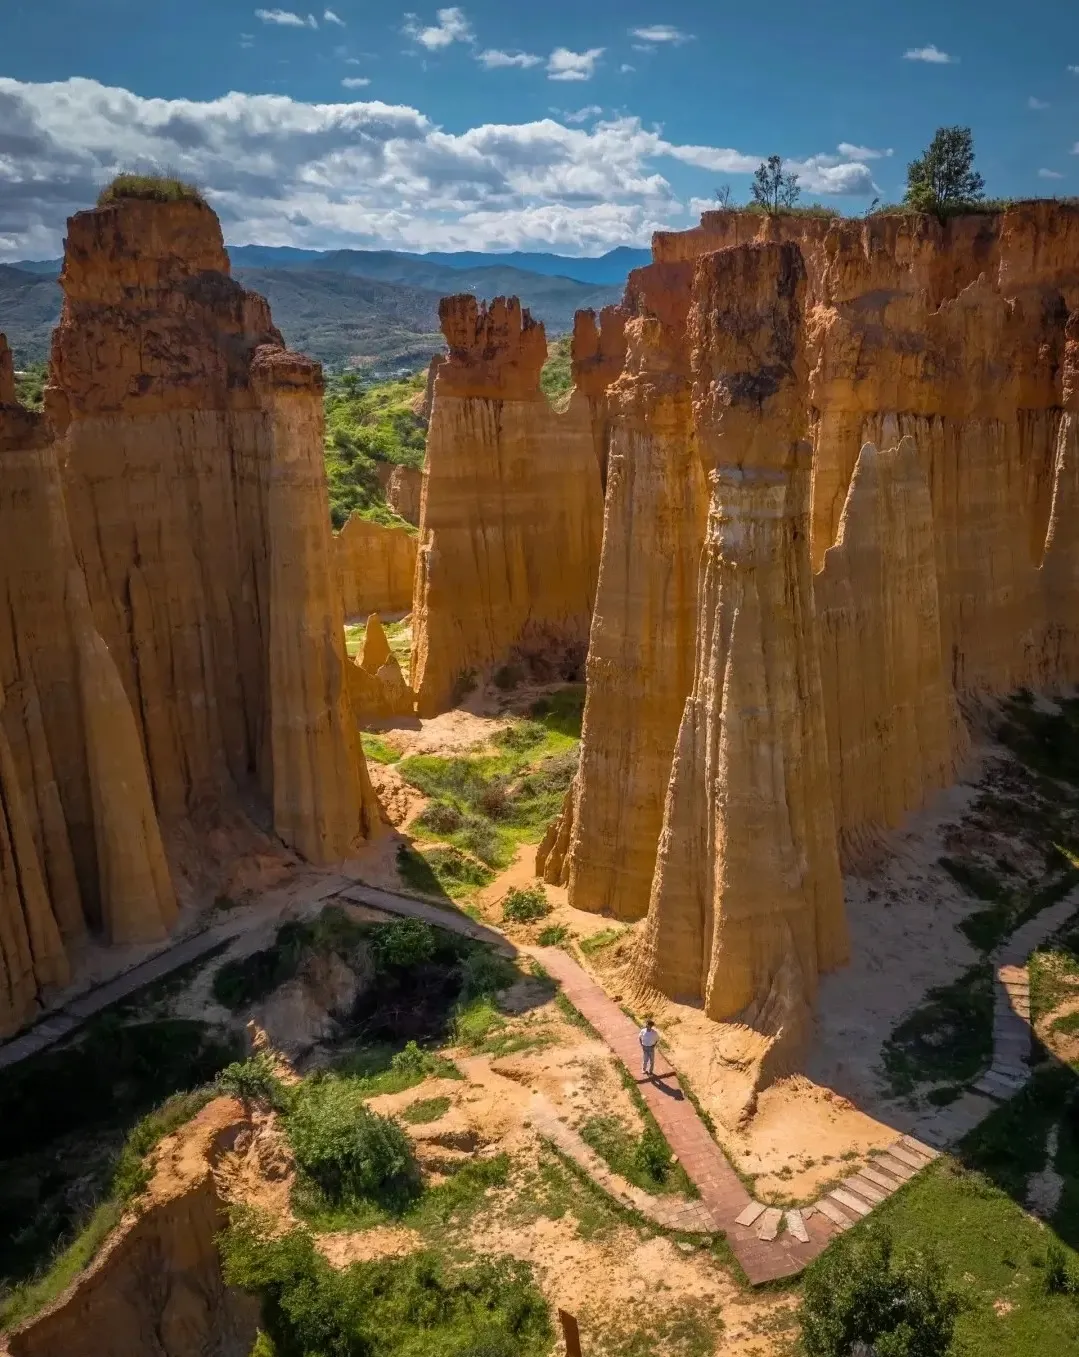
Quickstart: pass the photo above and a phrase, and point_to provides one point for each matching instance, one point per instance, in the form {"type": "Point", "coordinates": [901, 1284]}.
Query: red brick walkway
{"type": "Point", "coordinates": [720, 1187]}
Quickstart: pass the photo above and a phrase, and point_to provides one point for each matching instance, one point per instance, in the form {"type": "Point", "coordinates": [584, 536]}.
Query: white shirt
{"type": "Point", "coordinates": [649, 1037]}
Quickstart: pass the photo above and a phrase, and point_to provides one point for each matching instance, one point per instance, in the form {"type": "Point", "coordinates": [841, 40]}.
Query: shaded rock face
{"type": "Point", "coordinates": [156, 1288]}
{"type": "Point", "coordinates": [171, 648]}
{"type": "Point", "coordinates": [512, 511]}
{"type": "Point", "coordinates": [747, 903]}
{"type": "Point", "coordinates": [377, 566]}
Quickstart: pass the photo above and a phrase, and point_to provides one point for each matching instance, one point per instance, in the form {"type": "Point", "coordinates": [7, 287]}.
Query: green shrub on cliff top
{"type": "Point", "coordinates": [153, 188]}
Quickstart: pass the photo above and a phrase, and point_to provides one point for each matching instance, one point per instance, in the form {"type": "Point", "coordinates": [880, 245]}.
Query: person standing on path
{"type": "Point", "coordinates": [649, 1039]}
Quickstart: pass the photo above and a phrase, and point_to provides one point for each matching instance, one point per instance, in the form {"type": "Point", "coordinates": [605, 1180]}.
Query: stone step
{"type": "Point", "coordinates": [850, 1200]}
{"type": "Point", "coordinates": [916, 1147]}
{"type": "Point", "coordinates": [891, 1165]}
{"type": "Point", "coordinates": [750, 1214]}
{"type": "Point", "coordinates": [914, 1161]}
{"type": "Point", "coordinates": [863, 1188]}
{"type": "Point", "coordinates": [769, 1224]}
{"type": "Point", "coordinates": [796, 1227]}
{"type": "Point", "coordinates": [884, 1181]}
{"type": "Point", "coordinates": [832, 1212]}
{"type": "Point", "coordinates": [1000, 1091]}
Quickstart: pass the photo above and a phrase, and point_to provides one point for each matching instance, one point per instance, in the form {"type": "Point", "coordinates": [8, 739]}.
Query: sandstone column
{"type": "Point", "coordinates": [747, 903]}
{"type": "Point", "coordinates": [322, 800]}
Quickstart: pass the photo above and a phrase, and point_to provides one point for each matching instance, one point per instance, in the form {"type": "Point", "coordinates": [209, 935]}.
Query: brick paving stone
{"type": "Point", "coordinates": [905, 1156]}
{"type": "Point", "coordinates": [750, 1214]}
{"type": "Point", "coordinates": [796, 1226]}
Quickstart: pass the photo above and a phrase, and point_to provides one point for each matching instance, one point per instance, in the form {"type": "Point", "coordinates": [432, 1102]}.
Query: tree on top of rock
{"type": "Point", "coordinates": [944, 175]}
{"type": "Point", "coordinates": [773, 189]}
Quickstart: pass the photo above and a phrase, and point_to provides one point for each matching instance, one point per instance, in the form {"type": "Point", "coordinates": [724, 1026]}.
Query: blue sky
{"type": "Point", "coordinates": [553, 125]}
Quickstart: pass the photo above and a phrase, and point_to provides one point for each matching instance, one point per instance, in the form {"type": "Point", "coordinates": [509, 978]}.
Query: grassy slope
{"type": "Point", "coordinates": [367, 425]}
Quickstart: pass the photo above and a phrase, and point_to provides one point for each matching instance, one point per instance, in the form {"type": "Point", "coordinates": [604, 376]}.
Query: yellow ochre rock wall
{"type": "Point", "coordinates": [512, 512]}
{"type": "Point", "coordinates": [377, 566]}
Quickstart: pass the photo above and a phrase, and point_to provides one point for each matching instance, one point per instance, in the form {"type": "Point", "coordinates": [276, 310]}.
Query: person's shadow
{"type": "Point", "coordinates": [666, 1083]}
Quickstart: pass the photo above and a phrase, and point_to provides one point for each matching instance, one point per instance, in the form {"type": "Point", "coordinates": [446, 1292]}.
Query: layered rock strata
{"type": "Point", "coordinates": [156, 1287]}
{"type": "Point", "coordinates": [377, 567]}
{"type": "Point", "coordinates": [747, 904]}
{"type": "Point", "coordinates": [641, 648]}
{"type": "Point", "coordinates": [171, 645]}
{"type": "Point", "coordinates": [940, 574]}
{"type": "Point", "coordinates": [512, 511]}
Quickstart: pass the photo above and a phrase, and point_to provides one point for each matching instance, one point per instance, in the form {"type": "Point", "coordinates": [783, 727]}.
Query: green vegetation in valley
{"type": "Point", "coordinates": [152, 188]}
{"type": "Point", "coordinates": [425, 1110]}
{"type": "Point", "coordinates": [552, 936]}
{"type": "Point", "coordinates": [247, 980]}
{"type": "Point", "coordinates": [556, 378]}
{"type": "Point", "coordinates": [369, 424]}
{"type": "Point", "coordinates": [485, 805]}
{"type": "Point", "coordinates": [401, 1307]}
{"type": "Point", "coordinates": [948, 1037]}
{"type": "Point", "coordinates": [30, 386]}
{"type": "Point", "coordinates": [378, 749]}
{"type": "Point", "coordinates": [644, 1160]}
{"type": "Point", "coordinates": [599, 942]}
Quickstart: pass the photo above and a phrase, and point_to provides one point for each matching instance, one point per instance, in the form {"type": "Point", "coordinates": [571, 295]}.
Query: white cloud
{"type": "Point", "coordinates": [932, 54]}
{"type": "Point", "coordinates": [1074, 70]}
{"type": "Point", "coordinates": [358, 172]}
{"type": "Point", "coordinates": [626, 68]}
{"type": "Point", "coordinates": [861, 152]}
{"type": "Point", "coordinates": [1050, 174]}
{"type": "Point", "coordinates": [579, 115]}
{"type": "Point", "coordinates": [493, 59]}
{"type": "Point", "coordinates": [654, 33]}
{"type": "Point", "coordinates": [452, 27]}
{"type": "Point", "coordinates": [563, 64]}
{"type": "Point", "coordinates": [353, 61]}
{"type": "Point", "coordinates": [247, 40]}
{"type": "Point", "coordinates": [1036, 103]}
{"type": "Point", "coordinates": [286, 18]}
{"type": "Point", "coordinates": [355, 82]}
{"type": "Point", "coordinates": [329, 17]}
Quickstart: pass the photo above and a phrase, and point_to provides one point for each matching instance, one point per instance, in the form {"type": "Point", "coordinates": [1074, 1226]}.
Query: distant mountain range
{"type": "Point", "coordinates": [374, 308]}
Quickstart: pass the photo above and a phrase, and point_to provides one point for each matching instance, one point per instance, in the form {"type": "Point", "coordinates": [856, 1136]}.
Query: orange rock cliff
{"type": "Point", "coordinates": [920, 552]}
{"type": "Point", "coordinates": [511, 516]}
{"type": "Point", "coordinates": [171, 649]}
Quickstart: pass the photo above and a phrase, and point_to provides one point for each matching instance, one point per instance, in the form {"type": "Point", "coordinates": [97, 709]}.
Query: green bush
{"type": "Point", "coordinates": [859, 1292]}
{"type": "Point", "coordinates": [425, 1110]}
{"type": "Point", "coordinates": [441, 816]}
{"type": "Point", "coordinates": [1061, 1279]}
{"type": "Point", "coordinates": [253, 1081]}
{"type": "Point", "coordinates": [396, 1307]}
{"type": "Point", "coordinates": [653, 1155]}
{"type": "Point", "coordinates": [521, 737]}
{"type": "Point", "coordinates": [403, 944]}
{"type": "Point", "coordinates": [350, 1153]}
{"type": "Point", "coordinates": [525, 906]}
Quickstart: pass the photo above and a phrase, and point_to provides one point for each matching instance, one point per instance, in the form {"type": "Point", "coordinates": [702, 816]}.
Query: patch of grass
{"type": "Point", "coordinates": [684, 1328]}
{"type": "Point", "coordinates": [380, 1069]}
{"type": "Point", "coordinates": [401, 1307]}
{"type": "Point", "coordinates": [153, 188]}
{"type": "Point", "coordinates": [425, 1110]}
{"type": "Point", "coordinates": [643, 1160]}
{"type": "Point", "coordinates": [561, 712]}
{"type": "Point", "coordinates": [1068, 1025]}
{"type": "Point", "coordinates": [553, 936]}
{"type": "Point", "coordinates": [525, 906]}
{"type": "Point", "coordinates": [416, 872]}
{"type": "Point", "coordinates": [599, 941]}
{"type": "Point", "coordinates": [944, 1096]}
{"type": "Point", "coordinates": [949, 1037]}
{"type": "Point", "coordinates": [378, 750]}
{"type": "Point", "coordinates": [476, 1022]}
{"type": "Point", "coordinates": [969, 1210]}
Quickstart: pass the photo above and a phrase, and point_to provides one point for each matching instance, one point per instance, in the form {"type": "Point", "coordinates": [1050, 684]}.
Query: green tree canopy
{"type": "Point", "coordinates": [772, 188]}
{"type": "Point", "coordinates": [944, 175]}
